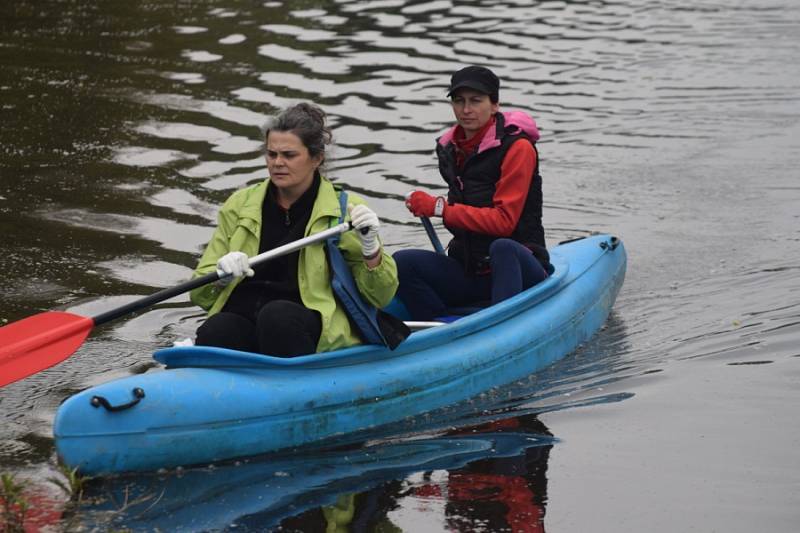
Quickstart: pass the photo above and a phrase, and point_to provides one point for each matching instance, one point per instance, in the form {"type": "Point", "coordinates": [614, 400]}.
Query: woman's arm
{"type": "Point", "coordinates": [375, 277]}
{"type": "Point", "coordinates": [219, 245]}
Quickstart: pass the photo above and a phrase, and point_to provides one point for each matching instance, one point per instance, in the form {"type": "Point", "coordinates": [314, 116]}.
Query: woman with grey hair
{"type": "Point", "coordinates": [286, 306]}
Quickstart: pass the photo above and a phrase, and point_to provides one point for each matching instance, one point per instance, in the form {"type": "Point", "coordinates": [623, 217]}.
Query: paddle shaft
{"type": "Point", "coordinates": [211, 277]}
{"type": "Point", "coordinates": [40, 341]}
{"type": "Point", "coordinates": [437, 244]}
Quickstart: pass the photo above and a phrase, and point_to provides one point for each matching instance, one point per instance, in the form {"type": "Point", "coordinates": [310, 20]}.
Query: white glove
{"type": "Point", "coordinates": [234, 265]}
{"type": "Point", "coordinates": [363, 217]}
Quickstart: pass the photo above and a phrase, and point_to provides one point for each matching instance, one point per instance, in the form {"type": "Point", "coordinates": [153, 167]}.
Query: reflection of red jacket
{"type": "Point", "coordinates": [524, 512]}
{"type": "Point", "coordinates": [524, 515]}
{"type": "Point", "coordinates": [42, 511]}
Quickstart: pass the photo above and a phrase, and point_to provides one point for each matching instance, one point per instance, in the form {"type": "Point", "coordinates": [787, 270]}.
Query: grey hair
{"type": "Point", "coordinates": [308, 122]}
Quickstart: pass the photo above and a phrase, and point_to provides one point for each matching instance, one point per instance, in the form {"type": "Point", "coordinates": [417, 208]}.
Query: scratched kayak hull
{"type": "Point", "coordinates": [213, 404]}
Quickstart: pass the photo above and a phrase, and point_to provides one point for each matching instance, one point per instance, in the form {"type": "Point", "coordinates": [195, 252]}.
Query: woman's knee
{"type": "Point", "coordinates": [283, 313]}
{"type": "Point", "coordinates": [503, 248]}
{"type": "Point", "coordinates": [227, 330]}
{"type": "Point", "coordinates": [510, 258]}
{"type": "Point", "coordinates": [287, 329]}
{"type": "Point", "coordinates": [418, 264]}
{"type": "Point", "coordinates": [407, 262]}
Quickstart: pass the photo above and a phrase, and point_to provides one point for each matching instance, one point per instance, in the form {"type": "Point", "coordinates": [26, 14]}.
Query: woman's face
{"type": "Point", "coordinates": [291, 167]}
{"type": "Point", "coordinates": [473, 110]}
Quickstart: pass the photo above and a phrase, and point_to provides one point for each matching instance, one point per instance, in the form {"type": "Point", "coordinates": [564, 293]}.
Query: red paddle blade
{"type": "Point", "coordinates": [32, 344]}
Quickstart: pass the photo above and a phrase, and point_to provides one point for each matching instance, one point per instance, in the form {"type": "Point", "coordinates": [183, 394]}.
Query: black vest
{"type": "Point", "coordinates": [475, 186]}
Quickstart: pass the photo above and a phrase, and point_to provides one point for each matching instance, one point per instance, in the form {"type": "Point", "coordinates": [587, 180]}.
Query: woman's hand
{"type": "Point", "coordinates": [366, 224]}
{"type": "Point", "coordinates": [233, 265]}
{"type": "Point", "coordinates": [422, 204]}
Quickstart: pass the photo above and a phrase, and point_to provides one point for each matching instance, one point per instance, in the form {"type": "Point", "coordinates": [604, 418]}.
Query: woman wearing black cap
{"type": "Point", "coordinates": [493, 206]}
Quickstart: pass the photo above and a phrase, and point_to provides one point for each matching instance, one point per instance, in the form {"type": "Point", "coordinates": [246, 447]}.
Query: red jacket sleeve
{"type": "Point", "coordinates": [511, 191]}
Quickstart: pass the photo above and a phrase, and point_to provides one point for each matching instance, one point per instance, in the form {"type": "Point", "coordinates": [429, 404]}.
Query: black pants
{"type": "Point", "coordinates": [283, 328]}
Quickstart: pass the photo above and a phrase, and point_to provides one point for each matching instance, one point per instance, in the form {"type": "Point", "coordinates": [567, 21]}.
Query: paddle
{"type": "Point", "coordinates": [437, 244]}
{"type": "Point", "coordinates": [38, 342]}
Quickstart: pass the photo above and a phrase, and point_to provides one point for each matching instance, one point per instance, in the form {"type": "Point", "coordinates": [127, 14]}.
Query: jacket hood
{"type": "Point", "coordinates": [523, 122]}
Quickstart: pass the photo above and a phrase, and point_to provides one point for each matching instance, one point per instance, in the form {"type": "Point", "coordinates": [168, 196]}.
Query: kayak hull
{"type": "Point", "coordinates": [214, 404]}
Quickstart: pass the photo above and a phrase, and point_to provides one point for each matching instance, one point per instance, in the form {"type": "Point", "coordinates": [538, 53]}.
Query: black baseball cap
{"type": "Point", "coordinates": [480, 79]}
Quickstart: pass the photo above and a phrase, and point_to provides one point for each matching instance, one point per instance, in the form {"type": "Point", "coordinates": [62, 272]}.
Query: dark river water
{"type": "Point", "coordinates": [674, 125]}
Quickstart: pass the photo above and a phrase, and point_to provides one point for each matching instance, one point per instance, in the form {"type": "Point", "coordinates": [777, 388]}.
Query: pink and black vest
{"type": "Point", "coordinates": [475, 186]}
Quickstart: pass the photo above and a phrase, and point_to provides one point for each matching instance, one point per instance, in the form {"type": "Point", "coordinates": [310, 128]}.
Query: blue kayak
{"type": "Point", "coordinates": [213, 404]}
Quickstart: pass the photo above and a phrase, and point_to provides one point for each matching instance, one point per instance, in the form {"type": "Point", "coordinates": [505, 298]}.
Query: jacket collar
{"type": "Point", "coordinates": [515, 121]}
{"type": "Point", "coordinates": [255, 200]}
{"type": "Point", "coordinates": [491, 138]}
{"type": "Point", "coordinates": [327, 204]}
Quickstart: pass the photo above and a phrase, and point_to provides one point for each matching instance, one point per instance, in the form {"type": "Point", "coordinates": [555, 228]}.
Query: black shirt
{"type": "Point", "coordinates": [275, 279]}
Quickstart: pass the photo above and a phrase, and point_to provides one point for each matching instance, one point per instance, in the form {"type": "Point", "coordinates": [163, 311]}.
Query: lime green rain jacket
{"type": "Point", "coordinates": [239, 229]}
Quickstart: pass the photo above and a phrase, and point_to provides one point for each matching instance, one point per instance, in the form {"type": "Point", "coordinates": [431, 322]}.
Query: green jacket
{"type": "Point", "coordinates": [239, 229]}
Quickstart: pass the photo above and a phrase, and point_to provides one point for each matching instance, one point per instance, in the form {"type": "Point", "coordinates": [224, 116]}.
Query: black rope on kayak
{"type": "Point", "coordinates": [571, 240]}
{"type": "Point", "coordinates": [98, 401]}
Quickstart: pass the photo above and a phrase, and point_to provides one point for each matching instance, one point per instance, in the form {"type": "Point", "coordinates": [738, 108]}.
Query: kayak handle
{"type": "Point", "coordinates": [99, 401]}
{"type": "Point", "coordinates": [612, 244]}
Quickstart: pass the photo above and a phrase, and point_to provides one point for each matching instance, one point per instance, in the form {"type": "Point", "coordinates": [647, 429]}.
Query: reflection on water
{"type": "Point", "coordinates": [492, 475]}
{"type": "Point", "coordinates": [673, 125]}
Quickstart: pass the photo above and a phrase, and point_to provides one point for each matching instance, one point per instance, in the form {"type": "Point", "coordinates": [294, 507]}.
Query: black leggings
{"type": "Point", "coordinates": [283, 329]}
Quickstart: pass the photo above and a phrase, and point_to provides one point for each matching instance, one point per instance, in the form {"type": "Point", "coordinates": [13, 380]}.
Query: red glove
{"type": "Point", "coordinates": [422, 204]}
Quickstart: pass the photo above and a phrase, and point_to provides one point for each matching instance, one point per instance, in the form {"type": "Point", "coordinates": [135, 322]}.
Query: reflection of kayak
{"type": "Point", "coordinates": [214, 404]}
{"type": "Point", "coordinates": [258, 494]}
